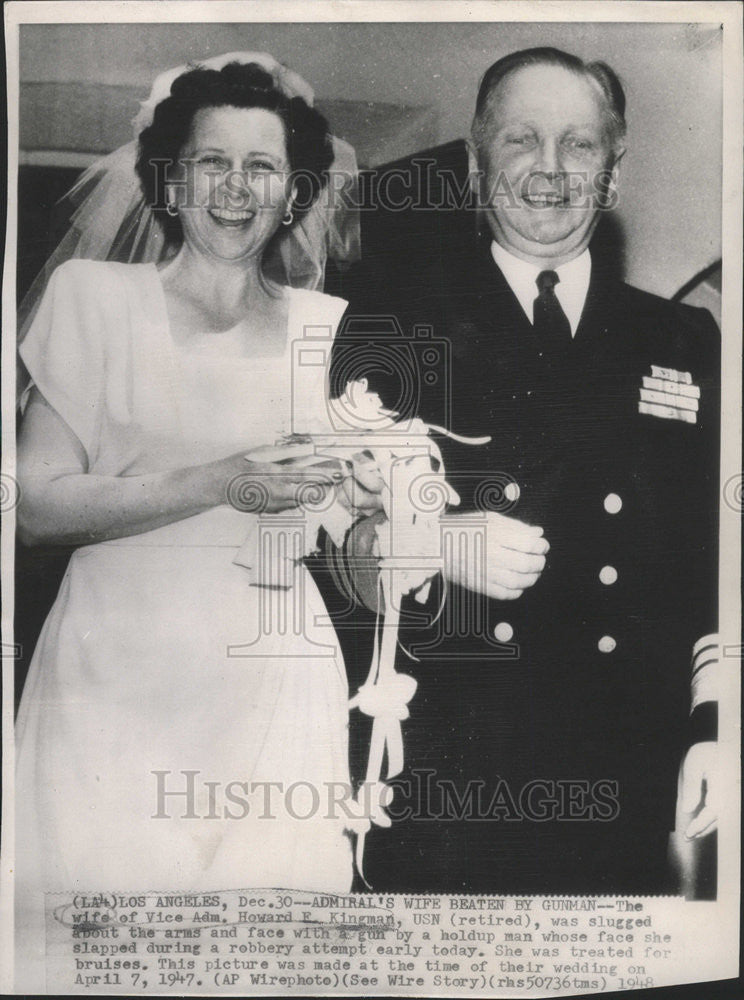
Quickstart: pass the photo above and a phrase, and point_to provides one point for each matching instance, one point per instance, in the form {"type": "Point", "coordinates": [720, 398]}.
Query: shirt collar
{"type": "Point", "coordinates": [571, 290]}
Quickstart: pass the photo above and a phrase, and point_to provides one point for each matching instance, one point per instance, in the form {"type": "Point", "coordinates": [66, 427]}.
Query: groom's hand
{"type": "Point", "coordinates": [697, 797]}
{"type": "Point", "coordinates": [514, 556]}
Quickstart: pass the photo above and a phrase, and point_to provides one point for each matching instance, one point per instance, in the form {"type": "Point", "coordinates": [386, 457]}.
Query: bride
{"type": "Point", "coordinates": [180, 726]}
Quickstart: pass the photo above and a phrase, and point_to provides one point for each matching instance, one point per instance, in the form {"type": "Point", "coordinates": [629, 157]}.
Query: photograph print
{"type": "Point", "coordinates": [367, 484]}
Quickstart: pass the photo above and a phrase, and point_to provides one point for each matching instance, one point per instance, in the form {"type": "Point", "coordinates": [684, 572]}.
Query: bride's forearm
{"type": "Point", "coordinates": [81, 509]}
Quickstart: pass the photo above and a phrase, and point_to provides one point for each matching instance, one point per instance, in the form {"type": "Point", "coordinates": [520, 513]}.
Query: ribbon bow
{"type": "Point", "coordinates": [384, 696]}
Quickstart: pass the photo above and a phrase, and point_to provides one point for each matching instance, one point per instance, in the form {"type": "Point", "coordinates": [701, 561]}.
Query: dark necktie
{"type": "Point", "coordinates": [550, 321]}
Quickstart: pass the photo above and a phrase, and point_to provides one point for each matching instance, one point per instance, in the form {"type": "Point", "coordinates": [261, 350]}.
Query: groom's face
{"type": "Point", "coordinates": [544, 160]}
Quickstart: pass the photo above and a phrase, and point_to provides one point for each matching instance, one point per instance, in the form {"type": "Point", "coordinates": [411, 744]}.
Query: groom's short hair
{"type": "Point", "coordinates": [599, 73]}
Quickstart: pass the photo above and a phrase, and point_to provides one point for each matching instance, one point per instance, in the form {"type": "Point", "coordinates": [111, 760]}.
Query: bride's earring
{"type": "Point", "coordinates": [288, 218]}
{"type": "Point", "coordinates": [170, 205]}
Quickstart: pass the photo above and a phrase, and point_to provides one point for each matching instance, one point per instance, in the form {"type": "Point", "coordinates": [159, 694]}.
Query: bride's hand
{"type": "Point", "coordinates": [361, 491]}
{"type": "Point", "coordinates": [356, 498]}
{"type": "Point", "coordinates": [272, 487]}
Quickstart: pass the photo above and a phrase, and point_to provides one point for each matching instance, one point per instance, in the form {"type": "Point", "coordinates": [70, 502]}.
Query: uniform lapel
{"type": "Point", "coordinates": [499, 309]}
{"type": "Point", "coordinates": [493, 339]}
{"type": "Point", "coordinates": [600, 315]}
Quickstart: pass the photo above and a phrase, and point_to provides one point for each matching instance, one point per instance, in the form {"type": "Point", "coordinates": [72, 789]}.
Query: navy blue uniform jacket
{"type": "Point", "coordinates": [548, 762]}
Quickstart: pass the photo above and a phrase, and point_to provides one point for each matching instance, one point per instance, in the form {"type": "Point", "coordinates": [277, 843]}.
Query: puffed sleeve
{"type": "Point", "coordinates": [63, 349]}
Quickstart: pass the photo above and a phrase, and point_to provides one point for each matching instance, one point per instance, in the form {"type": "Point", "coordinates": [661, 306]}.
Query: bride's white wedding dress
{"type": "Point", "coordinates": [159, 657]}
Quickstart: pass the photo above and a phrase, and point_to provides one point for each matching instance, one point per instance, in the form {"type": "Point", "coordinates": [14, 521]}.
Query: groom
{"type": "Point", "coordinates": [546, 734]}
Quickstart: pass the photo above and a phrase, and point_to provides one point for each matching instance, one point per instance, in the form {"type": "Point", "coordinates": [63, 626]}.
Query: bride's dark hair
{"type": "Point", "coordinates": [238, 85]}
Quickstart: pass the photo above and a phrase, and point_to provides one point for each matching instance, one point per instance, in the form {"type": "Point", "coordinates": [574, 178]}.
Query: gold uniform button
{"type": "Point", "coordinates": [613, 503]}
{"type": "Point", "coordinates": [606, 644]}
{"type": "Point", "coordinates": [608, 575]}
{"type": "Point", "coordinates": [503, 632]}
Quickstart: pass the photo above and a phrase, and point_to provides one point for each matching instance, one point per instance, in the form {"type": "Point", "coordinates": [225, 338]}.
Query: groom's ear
{"type": "Point", "coordinates": [615, 172]}
{"type": "Point", "coordinates": [473, 168]}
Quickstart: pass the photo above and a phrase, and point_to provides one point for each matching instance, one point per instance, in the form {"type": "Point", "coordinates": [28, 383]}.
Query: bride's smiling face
{"type": "Point", "coordinates": [235, 186]}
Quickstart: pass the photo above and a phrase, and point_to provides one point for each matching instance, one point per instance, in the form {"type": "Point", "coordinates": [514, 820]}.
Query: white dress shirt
{"type": "Point", "coordinates": [571, 290]}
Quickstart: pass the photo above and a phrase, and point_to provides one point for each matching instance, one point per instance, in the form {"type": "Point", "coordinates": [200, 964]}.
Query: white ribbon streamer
{"type": "Point", "coordinates": [414, 494]}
